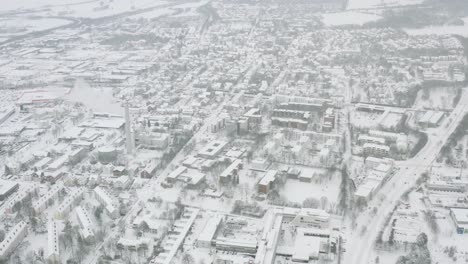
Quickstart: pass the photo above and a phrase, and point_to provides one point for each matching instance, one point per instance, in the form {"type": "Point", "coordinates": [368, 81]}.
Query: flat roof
{"type": "Point", "coordinates": [376, 146]}
{"type": "Point", "coordinates": [461, 215]}
{"type": "Point", "coordinates": [6, 186]}
{"type": "Point", "coordinates": [213, 148]}
{"type": "Point", "coordinates": [269, 177]}
{"type": "Point", "coordinates": [306, 247]}
{"type": "Point", "coordinates": [210, 228]}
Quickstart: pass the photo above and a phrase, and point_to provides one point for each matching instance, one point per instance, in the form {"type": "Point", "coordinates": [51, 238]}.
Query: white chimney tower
{"type": "Point", "coordinates": [128, 132]}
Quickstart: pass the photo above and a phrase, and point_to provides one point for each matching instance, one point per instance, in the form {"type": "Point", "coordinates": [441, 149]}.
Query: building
{"type": "Point", "coordinates": [192, 178]}
{"type": "Point", "coordinates": [206, 237]}
{"type": "Point", "coordinates": [133, 244]}
{"type": "Point", "coordinates": [431, 119]}
{"type": "Point", "coordinates": [254, 117]}
{"type": "Point", "coordinates": [388, 136]}
{"type": "Point", "coordinates": [370, 139]}
{"type": "Point", "coordinates": [374, 180]}
{"type": "Point", "coordinates": [376, 150]}
{"type": "Point", "coordinates": [289, 122]}
{"type": "Point", "coordinates": [152, 140]}
{"type": "Point", "coordinates": [267, 181]}
{"type": "Point", "coordinates": [172, 177]}
{"type": "Point", "coordinates": [53, 245]}
{"type": "Point", "coordinates": [41, 204]}
{"type": "Point", "coordinates": [236, 245]}
{"type": "Point", "coordinates": [7, 188]}
{"type": "Point", "coordinates": [13, 239]}
{"type": "Point", "coordinates": [314, 237]}
{"type": "Point", "coordinates": [231, 171]}
{"type": "Point", "coordinates": [460, 218]}
{"type": "Point", "coordinates": [105, 199]}
{"type": "Point", "coordinates": [185, 224]}
{"type": "Point", "coordinates": [446, 186]}
{"type": "Point", "coordinates": [311, 218]}
{"type": "Point", "coordinates": [407, 230]}
{"type": "Point", "coordinates": [86, 224]}
{"type": "Point", "coordinates": [68, 203]}
{"type": "Point", "coordinates": [213, 149]}
{"type": "Point", "coordinates": [18, 198]}
{"type": "Point", "coordinates": [5, 113]}
{"type": "Point", "coordinates": [305, 248]}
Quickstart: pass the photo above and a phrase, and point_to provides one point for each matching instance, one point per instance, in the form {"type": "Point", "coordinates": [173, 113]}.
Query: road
{"type": "Point", "coordinates": [361, 247]}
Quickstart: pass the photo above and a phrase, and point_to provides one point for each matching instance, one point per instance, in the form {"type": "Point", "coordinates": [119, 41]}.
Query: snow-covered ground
{"type": "Point", "coordinates": [438, 98]}
{"type": "Point", "coordinates": [348, 18]}
{"type": "Point", "coordinates": [154, 13]}
{"type": "Point", "coordinates": [80, 8]}
{"type": "Point", "coordinates": [96, 9]}
{"type": "Point", "coordinates": [97, 99]}
{"type": "Point", "coordinates": [441, 30]}
{"type": "Point", "coordinates": [28, 4]}
{"type": "Point", "coordinates": [189, 9]}
{"type": "Point", "coordinates": [321, 186]}
{"type": "Point", "coordinates": [15, 26]}
{"type": "Point", "coordinates": [364, 4]}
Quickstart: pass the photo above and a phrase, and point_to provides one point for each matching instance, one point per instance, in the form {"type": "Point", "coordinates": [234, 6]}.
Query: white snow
{"type": "Point", "coordinates": [441, 30]}
{"type": "Point", "coordinates": [348, 18]}
{"type": "Point", "coordinates": [28, 4]}
{"type": "Point", "coordinates": [79, 8]}
{"type": "Point", "coordinates": [21, 25]}
{"type": "Point", "coordinates": [154, 13]}
{"type": "Point", "coordinates": [365, 4]}
{"type": "Point", "coordinates": [96, 99]}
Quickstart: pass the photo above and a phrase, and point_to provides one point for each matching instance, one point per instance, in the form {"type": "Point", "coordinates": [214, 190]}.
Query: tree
{"type": "Point", "coordinates": [98, 213]}
{"type": "Point", "coordinates": [323, 202]}
{"type": "Point", "coordinates": [188, 259]}
{"type": "Point", "coordinates": [144, 227]}
{"type": "Point", "coordinates": [310, 202]}
{"type": "Point", "coordinates": [421, 241]}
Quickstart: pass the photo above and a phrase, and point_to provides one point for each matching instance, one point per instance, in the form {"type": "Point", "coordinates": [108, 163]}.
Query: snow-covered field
{"type": "Point", "coordinates": [96, 9]}
{"type": "Point", "coordinates": [154, 13]}
{"type": "Point", "coordinates": [22, 25]}
{"type": "Point", "coordinates": [364, 4]}
{"type": "Point", "coordinates": [439, 98]}
{"type": "Point", "coordinates": [97, 99]}
{"type": "Point", "coordinates": [189, 9]}
{"type": "Point", "coordinates": [80, 8]}
{"type": "Point", "coordinates": [28, 4]}
{"type": "Point", "coordinates": [348, 18]}
{"type": "Point", "coordinates": [321, 186]}
{"type": "Point", "coordinates": [441, 30]}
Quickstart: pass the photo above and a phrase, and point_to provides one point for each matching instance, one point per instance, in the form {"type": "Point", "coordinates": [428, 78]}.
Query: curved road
{"type": "Point", "coordinates": [362, 249]}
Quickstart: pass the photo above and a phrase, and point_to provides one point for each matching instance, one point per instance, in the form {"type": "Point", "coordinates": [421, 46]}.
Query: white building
{"type": "Point", "coordinates": [230, 171]}
{"type": "Point", "coordinates": [267, 181]}
{"type": "Point", "coordinates": [311, 218]}
{"type": "Point", "coordinates": [376, 149]}
{"type": "Point", "coordinates": [41, 204]}
{"type": "Point", "coordinates": [53, 246]}
{"type": "Point", "coordinates": [213, 149]}
{"type": "Point", "coordinates": [105, 199]}
{"type": "Point", "coordinates": [68, 203]}
{"type": "Point", "coordinates": [13, 239]}
{"type": "Point", "coordinates": [206, 237]}
{"type": "Point", "coordinates": [460, 218]}
{"type": "Point", "coordinates": [19, 197]}
{"type": "Point", "coordinates": [85, 223]}
{"type": "Point", "coordinates": [407, 230]}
